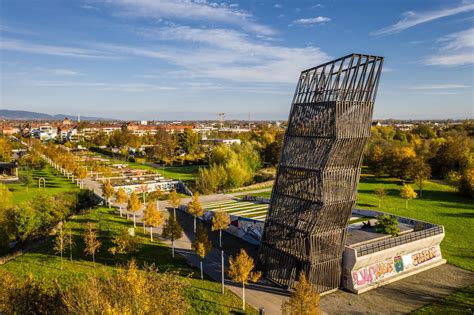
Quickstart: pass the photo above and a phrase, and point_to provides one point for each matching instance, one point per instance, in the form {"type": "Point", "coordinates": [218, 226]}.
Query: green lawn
{"type": "Point", "coordinates": [459, 302]}
{"type": "Point", "coordinates": [439, 204]}
{"type": "Point", "coordinates": [54, 184]}
{"type": "Point", "coordinates": [185, 173]}
{"type": "Point", "coordinates": [204, 295]}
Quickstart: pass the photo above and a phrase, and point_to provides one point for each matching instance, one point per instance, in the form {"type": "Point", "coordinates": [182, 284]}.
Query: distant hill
{"type": "Point", "coordinates": [26, 115]}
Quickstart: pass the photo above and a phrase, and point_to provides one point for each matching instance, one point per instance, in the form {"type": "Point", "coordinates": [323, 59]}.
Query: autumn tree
{"type": "Point", "coordinates": [70, 242]}
{"type": "Point", "coordinates": [172, 231]}
{"type": "Point", "coordinates": [195, 208]}
{"type": "Point", "coordinates": [241, 270]}
{"type": "Point", "coordinates": [134, 205]}
{"type": "Point", "coordinates": [124, 243]}
{"type": "Point", "coordinates": [381, 194]}
{"type": "Point", "coordinates": [421, 173]}
{"type": "Point", "coordinates": [81, 174]}
{"type": "Point", "coordinates": [129, 290]}
{"type": "Point", "coordinates": [5, 197]}
{"type": "Point", "coordinates": [407, 193]}
{"type": "Point", "coordinates": [91, 242]}
{"type": "Point", "coordinates": [60, 243]}
{"type": "Point", "coordinates": [174, 200]}
{"type": "Point", "coordinates": [121, 198]}
{"type": "Point", "coordinates": [220, 221]}
{"type": "Point", "coordinates": [152, 217]}
{"type": "Point", "coordinates": [156, 195]}
{"type": "Point", "coordinates": [201, 245]}
{"type": "Point", "coordinates": [108, 191]}
{"type": "Point", "coordinates": [26, 179]}
{"type": "Point", "coordinates": [304, 300]}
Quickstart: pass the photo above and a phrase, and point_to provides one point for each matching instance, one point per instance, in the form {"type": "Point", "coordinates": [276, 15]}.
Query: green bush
{"type": "Point", "coordinates": [387, 224]}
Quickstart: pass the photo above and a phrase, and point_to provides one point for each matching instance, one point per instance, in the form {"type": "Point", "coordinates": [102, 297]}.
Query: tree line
{"type": "Point", "coordinates": [423, 153]}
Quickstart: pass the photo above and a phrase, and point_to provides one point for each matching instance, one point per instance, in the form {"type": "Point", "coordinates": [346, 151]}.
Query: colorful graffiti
{"type": "Point", "coordinates": [393, 266]}
{"type": "Point", "coordinates": [398, 263]}
{"type": "Point", "coordinates": [424, 256]}
{"type": "Point", "coordinates": [373, 273]}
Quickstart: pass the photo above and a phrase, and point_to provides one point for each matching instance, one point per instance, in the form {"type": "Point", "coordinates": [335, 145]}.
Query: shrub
{"type": "Point", "coordinates": [387, 224]}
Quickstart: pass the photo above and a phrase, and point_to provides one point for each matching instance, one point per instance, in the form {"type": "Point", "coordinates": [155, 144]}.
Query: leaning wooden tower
{"type": "Point", "coordinates": [316, 185]}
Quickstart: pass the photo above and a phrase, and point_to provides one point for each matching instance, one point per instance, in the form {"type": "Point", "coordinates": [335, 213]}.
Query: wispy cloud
{"type": "Point", "coordinates": [228, 54]}
{"type": "Point", "coordinates": [311, 21]}
{"type": "Point", "coordinates": [63, 72]}
{"type": "Point", "coordinates": [278, 6]}
{"type": "Point", "coordinates": [411, 18]}
{"type": "Point", "coordinates": [197, 10]}
{"type": "Point", "coordinates": [102, 86]}
{"type": "Point", "coordinates": [28, 47]}
{"type": "Point", "coordinates": [457, 49]}
{"type": "Point", "coordinates": [439, 87]}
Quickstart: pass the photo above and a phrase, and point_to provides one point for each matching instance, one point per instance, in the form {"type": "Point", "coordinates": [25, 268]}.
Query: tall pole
{"type": "Point", "coordinates": [222, 271]}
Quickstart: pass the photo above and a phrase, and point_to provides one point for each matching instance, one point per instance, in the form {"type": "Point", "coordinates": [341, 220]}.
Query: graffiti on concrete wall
{"type": "Point", "coordinates": [394, 265]}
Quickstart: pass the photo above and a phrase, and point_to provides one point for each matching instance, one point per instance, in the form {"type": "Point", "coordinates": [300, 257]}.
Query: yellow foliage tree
{"type": "Point", "coordinates": [152, 217]}
{"type": "Point", "coordinates": [121, 198]}
{"type": "Point", "coordinates": [174, 200]}
{"type": "Point", "coordinates": [134, 205]}
{"type": "Point", "coordinates": [91, 242]}
{"type": "Point", "coordinates": [241, 270]}
{"type": "Point", "coordinates": [408, 193]}
{"type": "Point", "coordinates": [60, 243]}
{"type": "Point", "coordinates": [304, 300]}
{"type": "Point", "coordinates": [108, 191]}
{"type": "Point", "coordinates": [201, 245]}
{"type": "Point", "coordinates": [195, 208]}
{"type": "Point", "coordinates": [220, 221]}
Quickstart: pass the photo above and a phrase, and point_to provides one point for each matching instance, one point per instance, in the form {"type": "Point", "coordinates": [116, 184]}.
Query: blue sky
{"type": "Point", "coordinates": [163, 59]}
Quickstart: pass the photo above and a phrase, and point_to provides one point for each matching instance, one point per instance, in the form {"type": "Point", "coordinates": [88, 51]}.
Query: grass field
{"type": "Point", "coordinates": [184, 173]}
{"type": "Point", "coordinates": [54, 184]}
{"type": "Point", "coordinates": [203, 295]}
{"type": "Point", "coordinates": [459, 302]}
{"type": "Point", "coordinates": [439, 204]}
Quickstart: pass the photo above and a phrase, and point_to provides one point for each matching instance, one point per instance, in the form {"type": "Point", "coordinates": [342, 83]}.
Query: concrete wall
{"type": "Point", "coordinates": [363, 273]}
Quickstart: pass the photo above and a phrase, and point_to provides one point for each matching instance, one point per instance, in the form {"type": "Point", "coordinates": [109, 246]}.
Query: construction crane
{"type": "Point", "coordinates": [221, 119]}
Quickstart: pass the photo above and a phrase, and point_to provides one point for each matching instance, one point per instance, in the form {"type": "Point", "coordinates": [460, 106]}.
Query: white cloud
{"type": "Point", "coordinates": [411, 19]}
{"type": "Point", "coordinates": [63, 72]}
{"type": "Point", "coordinates": [192, 10]}
{"type": "Point", "coordinates": [278, 6]}
{"type": "Point", "coordinates": [228, 54]}
{"type": "Point", "coordinates": [101, 86]}
{"type": "Point", "coordinates": [456, 49]}
{"type": "Point", "coordinates": [315, 20]}
{"type": "Point", "coordinates": [439, 87]}
{"type": "Point", "coordinates": [28, 47]}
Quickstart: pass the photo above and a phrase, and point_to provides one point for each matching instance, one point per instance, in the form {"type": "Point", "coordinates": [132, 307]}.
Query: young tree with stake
{"type": "Point", "coordinates": [381, 194]}
{"type": "Point", "coordinates": [195, 208]}
{"type": "Point", "coordinates": [91, 241]}
{"type": "Point", "coordinates": [60, 244]}
{"type": "Point", "coordinates": [108, 191]}
{"type": "Point", "coordinates": [240, 270]}
{"type": "Point", "coordinates": [121, 198]}
{"type": "Point", "coordinates": [70, 242]}
{"type": "Point", "coordinates": [134, 205]}
{"type": "Point", "coordinates": [172, 231]}
{"type": "Point", "coordinates": [220, 221]}
{"type": "Point", "coordinates": [201, 245]}
{"type": "Point", "coordinates": [152, 217]}
{"type": "Point", "coordinates": [407, 193]}
{"type": "Point", "coordinates": [174, 200]}
{"type": "Point", "coordinates": [155, 196]}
